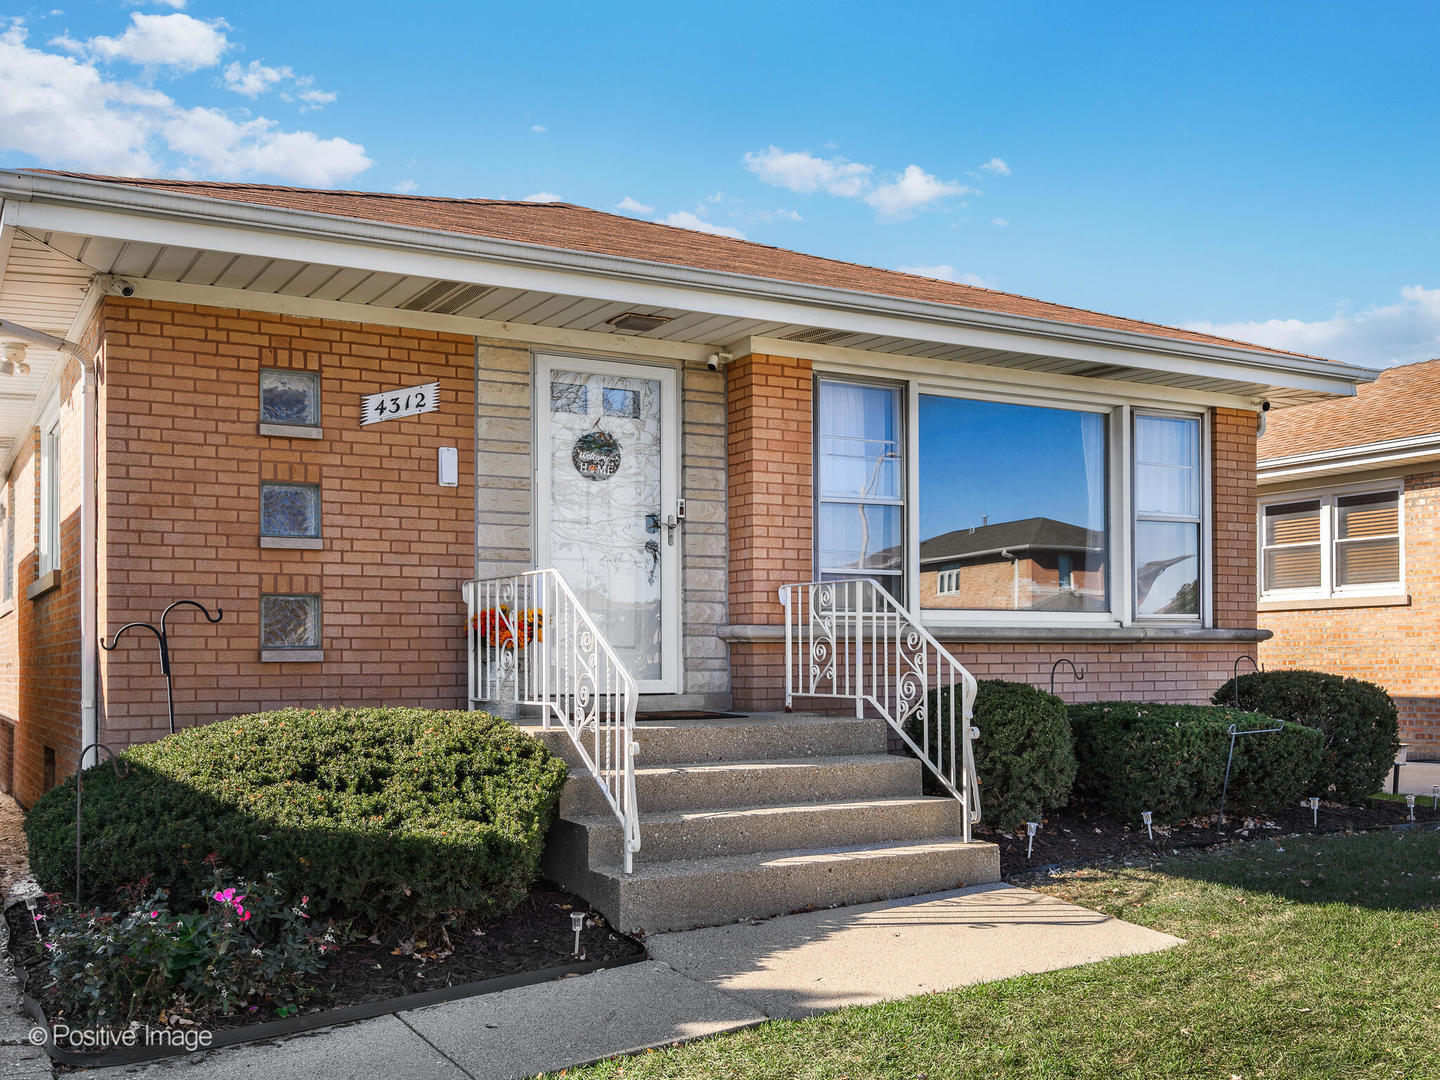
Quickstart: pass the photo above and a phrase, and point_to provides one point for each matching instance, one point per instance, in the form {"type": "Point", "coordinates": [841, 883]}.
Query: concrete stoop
{"type": "Point", "coordinates": [759, 816]}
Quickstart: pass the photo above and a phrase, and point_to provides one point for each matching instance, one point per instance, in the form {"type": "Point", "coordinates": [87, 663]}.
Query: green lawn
{"type": "Point", "coordinates": [1305, 959]}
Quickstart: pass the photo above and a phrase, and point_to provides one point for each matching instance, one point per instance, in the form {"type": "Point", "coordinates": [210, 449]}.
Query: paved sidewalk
{"type": "Point", "coordinates": [699, 982]}
{"type": "Point", "coordinates": [1417, 777]}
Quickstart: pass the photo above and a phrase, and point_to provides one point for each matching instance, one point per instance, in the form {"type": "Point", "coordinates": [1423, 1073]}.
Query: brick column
{"type": "Point", "coordinates": [1232, 465]}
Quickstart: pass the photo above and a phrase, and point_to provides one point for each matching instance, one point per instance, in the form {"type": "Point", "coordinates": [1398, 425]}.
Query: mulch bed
{"type": "Point", "coordinates": [534, 937]}
{"type": "Point", "coordinates": [1071, 837]}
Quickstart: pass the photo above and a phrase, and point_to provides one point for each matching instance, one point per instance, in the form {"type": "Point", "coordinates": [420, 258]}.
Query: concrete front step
{"type": "Point", "coordinates": [732, 784]}
{"type": "Point", "coordinates": [681, 894]}
{"type": "Point", "coordinates": [756, 737]}
{"type": "Point", "coordinates": [696, 834]}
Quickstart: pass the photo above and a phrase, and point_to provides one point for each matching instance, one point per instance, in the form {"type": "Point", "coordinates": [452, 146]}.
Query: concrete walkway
{"type": "Point", "coordinates": [1417, 778]}
{"type": "Point", "coordinates": [699, 982]}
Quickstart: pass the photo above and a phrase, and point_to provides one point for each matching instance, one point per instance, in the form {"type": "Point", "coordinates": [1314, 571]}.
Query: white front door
{"type": "Point", "coordinates": [606, 500]}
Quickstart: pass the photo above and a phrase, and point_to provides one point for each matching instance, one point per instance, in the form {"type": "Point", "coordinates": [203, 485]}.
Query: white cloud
{"type": "Point", "coordinates": [997, 166]}
{"type": "Point", "coordinates": [999, 222]}
{"type": "Point", "coordinates": [542, 196]}
{"type": "Point", "coordinates": [772, 215]}
{"type": "Point", "coordinates": [629, 205]}
{"type": "Point", "coordinates": [913, 190]}
{"type": "Point", "coordinates": [803, 172]}
{"type": "Point", "coordinates": [539, 129]}
{"type": "Point", "coordinates": [175, 4]}
{"type": "Point", "coordinates": [64, 112]}
{"type": "Point", "coordinates": [946, 272]}
{"type": "Point", "coordinates": [405, 187]}
{"type": "Point", "coordinates": [254, 78]}
{"type": "Point", "coordinates": [177, 41]}
{"type": "Point", "coordinates": [1379, 336]}
{"type": "Point", "coordinates": [684, 219]}
{"type": "Point", "coordinates": [311, 98]}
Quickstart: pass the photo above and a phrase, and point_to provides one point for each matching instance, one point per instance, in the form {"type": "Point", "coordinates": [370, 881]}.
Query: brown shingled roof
{"type": "Point", "coordinates": [577, 228]}
{"type": "Point", "coordinates": [1402, 402]}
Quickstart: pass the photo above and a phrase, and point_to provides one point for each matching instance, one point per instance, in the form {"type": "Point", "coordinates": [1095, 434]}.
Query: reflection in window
{"type": "Point", "coordinates": [860, 514]}
{"type": "Point", "coordinates": [290, 397]}
{"type": "Point", "coordinates": [1167, 515]}
{"type": "Point", "coordinates": [621, 402]}
{"type": "Point", "coordinates": [1012, 507]}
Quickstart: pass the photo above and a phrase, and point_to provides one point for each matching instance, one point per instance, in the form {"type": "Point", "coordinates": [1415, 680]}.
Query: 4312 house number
{"type": "Point", "coordinates": [393, 404]}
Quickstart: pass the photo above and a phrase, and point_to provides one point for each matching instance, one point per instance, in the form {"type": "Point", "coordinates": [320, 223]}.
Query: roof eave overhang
{"type": "Point", "coordinates": [1364, 457]}
{"type": "Point", "coordinates": [114, 210]}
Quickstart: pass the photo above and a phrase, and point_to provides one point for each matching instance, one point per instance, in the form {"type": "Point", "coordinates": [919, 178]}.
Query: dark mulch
{"type": "Point", "coordinates": [534, 937]}
{"type": "Point", "coordinates": [1071, 837]}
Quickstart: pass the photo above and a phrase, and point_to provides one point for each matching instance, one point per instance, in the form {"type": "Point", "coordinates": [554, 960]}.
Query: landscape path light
{"type": "Point", "coordinates": [1434, 796]}
{"type": "Point", "coordinates": [577, 923]}
{"type": "Point", "coordinates": [1031, 828]}
{"type": "Point", "coordinates": [1410, 805]}
{"type": "Point", "coordinates": [1314, 804]}
{"type": "Point", "coordinates": [1148, 817]}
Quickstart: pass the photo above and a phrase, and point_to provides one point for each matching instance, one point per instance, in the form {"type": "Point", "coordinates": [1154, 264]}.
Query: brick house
{"type": "Point", "coordinates": [325, 412]}
{"type": "Point", "coordinates": [1349, 535]}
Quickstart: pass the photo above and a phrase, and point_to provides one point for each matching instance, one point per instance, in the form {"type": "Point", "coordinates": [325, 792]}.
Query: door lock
{"type": "Point", "coordinates": [673, 522]}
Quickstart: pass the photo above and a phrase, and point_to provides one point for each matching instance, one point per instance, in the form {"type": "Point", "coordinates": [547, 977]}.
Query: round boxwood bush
{"type": "Point", "coordinates": [1358, 718]}
{"type": "Point", "coordinates": [1023, 757]}
{"type": "Point", "coordinates": [390, 818]}
{"type": "Point", "coordinates": [1170, 759]}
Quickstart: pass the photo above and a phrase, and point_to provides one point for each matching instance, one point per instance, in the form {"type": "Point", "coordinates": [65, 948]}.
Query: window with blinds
{"type": "Point", "coordinates": [1331, 544]}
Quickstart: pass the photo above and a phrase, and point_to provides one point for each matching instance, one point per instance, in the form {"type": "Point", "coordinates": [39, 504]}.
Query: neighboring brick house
{"type": "Point", "coordinates": [190, 427]}
{"type": "Point", "coordinates": [1349, 534]}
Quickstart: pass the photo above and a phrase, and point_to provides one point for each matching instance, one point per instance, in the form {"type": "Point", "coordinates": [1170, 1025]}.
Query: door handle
{"type": "Point", "coordinates": [671, 523]}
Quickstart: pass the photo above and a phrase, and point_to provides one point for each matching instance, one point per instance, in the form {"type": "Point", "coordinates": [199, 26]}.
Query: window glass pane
{"type": "Point", "coordinates": [859, 437]}
{"type": "Point", "coordinates": [621, 402]}
{"type": "Point", "coordinates": [1367, 562]}
{"type": "Point", "coordinates": [1167, 466]}
{"type": "Point", "coordinates": [1376, 514]}
{"type": "Point", "coordinates": [289, 622]}
{"type": "Point", "coordinates": [859, 537]}
{"type": "Point", "coordinates": [289, 510]}
{"type": "Point", "coordinates": [1293, 523]}
{"type": "Point", "coordinates": [290, 397]}
{"type": "Point", "coordinates": [569, 397]}
{"type": "Point", "coordinates": [1012, 506]}
{"type": "Point", "coordinates": [1167, 568]}
{"type": "Point", "coordinates": [1292, 567]}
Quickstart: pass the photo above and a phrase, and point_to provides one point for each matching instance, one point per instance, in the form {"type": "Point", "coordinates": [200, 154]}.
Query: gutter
{"type": "Point", "coordinates": [27, 187]}
{"type": "Point", "coordinates": [1372, 455]}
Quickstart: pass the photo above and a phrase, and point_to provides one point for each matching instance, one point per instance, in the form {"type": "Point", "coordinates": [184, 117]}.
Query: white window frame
{"type": "Point", "coordinates": [48, 555]}
{"type": "Point", "coordinates": [1120, 525]}
{"type": "Point", "coordinates": [900, 577]}
{"type": "Point", "coordinates": [1207, 512]}
{"type": "Point", "coordinates": [1329, 499]}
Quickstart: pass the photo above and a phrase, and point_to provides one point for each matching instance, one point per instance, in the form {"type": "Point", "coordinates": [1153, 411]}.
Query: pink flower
{"type": "Point", "coordinates": [304, 899]}
{"type": "Point", "coordinates": [226, 896]}
{"type": "Point", "coordinates": [244, 915]}
{"type": "Point", "coordinates": [154, 914]}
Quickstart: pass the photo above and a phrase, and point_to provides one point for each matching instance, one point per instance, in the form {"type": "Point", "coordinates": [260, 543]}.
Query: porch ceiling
{"type": "Point", "coordinates": [50, 278]}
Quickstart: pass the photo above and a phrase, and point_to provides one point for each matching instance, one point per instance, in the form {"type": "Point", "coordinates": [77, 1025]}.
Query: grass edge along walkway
{"type": "Point", "coordinates": [1306, 958]}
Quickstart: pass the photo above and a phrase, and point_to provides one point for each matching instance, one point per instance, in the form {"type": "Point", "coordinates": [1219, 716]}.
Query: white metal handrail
{"type": "Point", "coordinates": [529, 641]}
{"type": "Point", "coordinates": [850, 639]}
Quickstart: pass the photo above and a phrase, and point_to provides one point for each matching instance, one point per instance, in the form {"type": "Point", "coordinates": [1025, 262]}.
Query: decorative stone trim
{"type": "Point", "coordinates": [43, 584]}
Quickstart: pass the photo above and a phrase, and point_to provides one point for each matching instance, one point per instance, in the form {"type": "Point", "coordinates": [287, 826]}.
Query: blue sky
{"type": "Point", "coordinates": [1267, 171]}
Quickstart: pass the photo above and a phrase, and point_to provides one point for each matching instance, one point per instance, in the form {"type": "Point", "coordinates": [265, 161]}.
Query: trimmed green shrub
{"type": "Point", "coordinates": [1023, 757]}
{"type": "Point", "coordinates": [390, 818]}
{"type": "Point", "coordinates": [1358, 719]}
{"type": "Point", "coordinates": [1171, 759]}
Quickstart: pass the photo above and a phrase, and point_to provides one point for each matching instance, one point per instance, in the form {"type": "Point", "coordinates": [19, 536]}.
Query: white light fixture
{"type": "Point", "coordinates": [1031, 828]}
{"type": "Point", "coordinates": [1434, 796]}
{"type": "Point", "coordinates": [12, 359]}
{"type": "Point", "coordinates": [1314, 802]}
{"type": "Point", "coordinates": [1148, 816]}
{"type": "Point", "coordinates": [638, 322]}
{"type": "Point", "coordinates": [1410, 805]}
{"type": "Point", "coordinates": [577, 923]}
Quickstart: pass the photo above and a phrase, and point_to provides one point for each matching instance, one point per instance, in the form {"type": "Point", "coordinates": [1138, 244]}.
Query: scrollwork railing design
{"type": "Point", "coordinates": [851, 640]}
{"type": "Point", "coordinates": [530, 642]}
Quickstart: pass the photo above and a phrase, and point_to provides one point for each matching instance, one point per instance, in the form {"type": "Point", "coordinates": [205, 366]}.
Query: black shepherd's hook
{"type": "Point", "coordinates": [122, 769]}
{"type": "Point", "coordinates": [162, 637]}
{"type": "Point", "coordinates": [1235, 674]}
{"type": "Point", "coordinates": [1079, 672]}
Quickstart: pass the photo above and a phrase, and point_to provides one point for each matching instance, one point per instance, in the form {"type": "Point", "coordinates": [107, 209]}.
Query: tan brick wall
{"type": "Point", "coordinates": [1392, 646]}
{"type": "Point", "coordinates": [770, 483]}
{"type": "Point", "coordinates": [180, 507]}
{"type": "Point", "coordinates": [1232, 490]}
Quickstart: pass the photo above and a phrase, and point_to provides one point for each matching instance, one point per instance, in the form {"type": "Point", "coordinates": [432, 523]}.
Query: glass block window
{"type": "Point", "coordinates": [290, 397]}
{"type": "Point", "coordinates": [291, 510]}
{"type": "Point", "coordinates": [289, 622]}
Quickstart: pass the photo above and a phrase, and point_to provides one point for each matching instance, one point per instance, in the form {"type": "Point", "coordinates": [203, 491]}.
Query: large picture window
{"type": "Point", "coordinates": [859, 527]}
{"type": "Point", "coordinates": [1331, 544]}
{"type": "Point", "coordinates": [1012, 507]}
{"type": "Point", "coordinates": [1167, 515]}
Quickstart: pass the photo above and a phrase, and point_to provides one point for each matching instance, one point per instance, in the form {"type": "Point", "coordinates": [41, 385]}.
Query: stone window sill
{"type": "Point", "coordinates": [1332, 603]}
{"type": "Point", "coordinates": [43, 584]}
{"type": "Point", "coordinates": [294, 543]}
{"type": "Point", "coordinates": [291, 431]}
{"type": "Point", "coordinates": [1077, 635]}
{"type": "Point", "coordinates": [6, 608]}
{"type": "Point", "coordinates": [292, 656]}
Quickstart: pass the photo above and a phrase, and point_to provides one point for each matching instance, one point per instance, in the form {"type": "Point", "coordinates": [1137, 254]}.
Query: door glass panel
{"type": "Point", "coordinates": [605, 509]}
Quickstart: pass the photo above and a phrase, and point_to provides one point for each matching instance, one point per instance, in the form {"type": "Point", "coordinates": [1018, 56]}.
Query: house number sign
{"type": "Point", "coordinates": [393, 404]}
